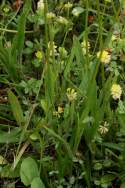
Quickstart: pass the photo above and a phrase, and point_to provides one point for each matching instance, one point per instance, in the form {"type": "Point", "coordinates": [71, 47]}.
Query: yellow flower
{"type": "Point", "coordinates": [68, 5]}
{"type": "Point", "coordinates": [39, 55]}
{"type": "Point", "coordinates": [116, 91]}
{"type": "Point", "coordinates": [50, 15]}
{"type": "Point", "coordinates": [60, 110]}
{"type": "Point", "coordinates": [104, 56]}
{"type": "Point", "coordinates": [84, 46]}
{"type": "Point", "coordinates": [71, 94]}
{"type": "Point", "coordinates": [62, 20]}
{"type": "Point", "coordinates": [115, 37]}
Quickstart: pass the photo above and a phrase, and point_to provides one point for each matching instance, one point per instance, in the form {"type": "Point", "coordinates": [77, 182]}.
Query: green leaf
{"type": "Point", "coordinates": [44, 105]}
{"type": "Point", "coordinates": [98, 166]}
{"type": "Point", "coordinates": [12, 136]}
{"type": "Point", "coordinates": [28, 171]}
{"type": "Point", "coordinates": [37, 183]}
{"type": "Point", "coordinates": [67, 146]}
{"type": "Point", "coordinates": [107, 178]}
{"type": "Point", "coordinates": [19, 39]}
{"type": "Point", "coordinates": [7, 172]}
{"type": "Point", "coordinates": [16, 108]}
{"type": "Point", "coordinates": [8, 61]}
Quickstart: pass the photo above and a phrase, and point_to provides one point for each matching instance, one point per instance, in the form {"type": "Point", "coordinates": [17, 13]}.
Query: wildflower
{"type": "Point", "coordinates": [40, 5]}
{"type": "Point", "coordinates": [62, 20]}
{"type": "Point", "coordinates": [71, 94]}
{"type": "Point", "coordinates": [77, 11]}
{"type": "Point", "coordinates": [63, 52]}
{"type": "Point", "coordinates": [52, 48]}
{"type": "Point", "coordinates": [104, 56]}
{"type": "Point", "coordinates": [59, 111]}
{"type": "Point", "coordinates": [68, 5]}
{"type": "Point", "coordinates": [50, 15]}
{"type": "Point", "coordinates": [116, 91]}
{"type": "Point", "coordinates": [84, 46]}
{"type": "Point", "coordinates": [114, 37]}
{"type": "Point", "coordinates": [6, 9]}
{"type": "Point", "coordinates": [39, 55]}
{"type": "Point", "coordinates": [103, 129]}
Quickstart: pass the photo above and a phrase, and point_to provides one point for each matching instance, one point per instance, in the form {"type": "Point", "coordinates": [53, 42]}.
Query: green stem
{"type": "Point", "coordinates": [14, 31]}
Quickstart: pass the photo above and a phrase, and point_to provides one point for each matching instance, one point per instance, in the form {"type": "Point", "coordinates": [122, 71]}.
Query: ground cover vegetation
{"type": "Point", "coordinates": [62, 93]}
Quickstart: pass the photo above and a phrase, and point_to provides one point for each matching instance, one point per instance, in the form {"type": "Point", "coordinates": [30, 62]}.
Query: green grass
{"type": "Point", "coordinates": [62, 102]}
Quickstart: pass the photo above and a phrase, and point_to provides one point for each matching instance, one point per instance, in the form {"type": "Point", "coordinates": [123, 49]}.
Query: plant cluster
{"type": "Point", "coordinates": [62, 102]}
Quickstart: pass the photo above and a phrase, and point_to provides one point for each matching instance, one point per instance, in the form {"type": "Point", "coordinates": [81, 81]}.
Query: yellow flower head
{"type": "Point", "coordinates": [116, 91]}
{"type": "Point", "coordinates": [58, 112]}
{"type": "Point", "coordinates": [68, 5]}
{"type": "Point", "coordinates": [84, 46]}
{"type": "Point", "coordinates": [60, 109]}
{"type": "Point", "coordinates": [104, 56]}
{"type": "Point", "coordinates": [62, 20]}
{"type": "Point", "coordinates": [50, 15]}
{"type": "Point", "coordinates": [115, 37]}
{"type": "Point", "coordinates": [71, 94]}
{"type": "Point", "coordinates": [39, 55]}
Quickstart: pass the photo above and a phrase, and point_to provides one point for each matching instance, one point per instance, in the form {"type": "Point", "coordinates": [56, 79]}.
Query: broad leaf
{"type": "Point", "coordinates": [28, 171]}
{"type": "Point", "coordinates": [16, 108]}
{"type": "Point", "coordinates": [37, 183]}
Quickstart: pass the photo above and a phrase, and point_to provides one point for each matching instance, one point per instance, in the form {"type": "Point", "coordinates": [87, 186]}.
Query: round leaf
{"type": "Point", "coordinates": [28, 171]}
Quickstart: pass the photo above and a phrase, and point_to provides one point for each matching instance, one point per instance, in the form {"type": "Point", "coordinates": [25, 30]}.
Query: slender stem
{"type": "Point", "coordinates": [14, 31]}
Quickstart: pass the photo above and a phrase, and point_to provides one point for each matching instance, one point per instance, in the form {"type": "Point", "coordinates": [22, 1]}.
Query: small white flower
{"type": "Point", "coordinates": [52, 48]}
{"type": "Point", "coordinates": [103, 129]}
{"type": "Point", "coordinates": [40, 5]}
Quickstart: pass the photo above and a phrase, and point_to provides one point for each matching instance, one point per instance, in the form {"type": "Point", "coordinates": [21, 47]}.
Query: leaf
{"type": "Point", "coordinates": [37, 183]}
{"type": "Point", "coordinates": [19, 39]}
{"type": "Point", "coordinates": [107, 178]}
{"type": "Point", "coordinates": [16, 108]}
{"type": "Point", "coordinates": [50, 80]}
{"type": "Point", "coordinates": [12, 136]}
{"type": "Point", "coordinates": [7, 172]}
{"type": "Point", "coordinates": [113, 146]}
{"type": "Point", "coordinates": [67, 146]}
{"type": "Point", "coordinates": [98, 166]}
{"type": "Point", "coordinates": [28, 171]}
{"type": "Point", "coordinates": [8, 61]}
{"type": "Point", "coordinates": [44, 105]}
